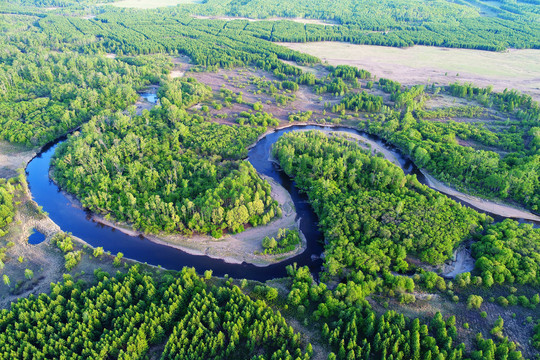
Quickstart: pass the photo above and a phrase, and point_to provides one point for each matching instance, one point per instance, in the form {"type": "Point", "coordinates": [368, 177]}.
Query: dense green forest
{"type": "Point", "coordinates": [123, 316]}
{"type": "Point", "coordinates": [354, 331]}
{"type": "Point", "coordinates": [166, 170]}
{"type": "Point", "coordinates": [127, 316]}
{"type": "Point", "coordinates": [211, 45]}
{"type": "Point", "coordinates": [76, 68]}
{"type": "Point", "coordinates": [393, 23]}
{"type": "Point", "coordinates": [509, 252]}
{"type": "Point", "coordinates": [49, 90]}
{"type": "Point", "coordinates": [372, 215]}
{"type": "Point", "coordinates": [432, 145]}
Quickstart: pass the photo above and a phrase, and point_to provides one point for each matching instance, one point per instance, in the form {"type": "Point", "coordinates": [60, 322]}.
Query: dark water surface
{"type": "Point", "coordinates": [36, 238]}
{"type": "Point", "coordinates": [72, 218]}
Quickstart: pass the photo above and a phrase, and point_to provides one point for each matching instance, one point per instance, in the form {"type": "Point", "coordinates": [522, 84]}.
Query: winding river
{"type": "Point", "coordinates": [72, 218]}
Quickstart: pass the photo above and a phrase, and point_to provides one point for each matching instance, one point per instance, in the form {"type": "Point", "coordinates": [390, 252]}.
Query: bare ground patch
{"type": "Point", "coordinates": [181, 64]}
{"type": "Point", "coordinates": [242, 81]}
{"type": "Point", "coordinates": [13, 157]}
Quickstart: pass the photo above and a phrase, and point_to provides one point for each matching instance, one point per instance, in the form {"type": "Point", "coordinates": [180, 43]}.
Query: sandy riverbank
{"type": "Point", "coordinates": [482, 204]}
{"type": "Point", "coordinates": [232, 248]}
{"type": "Point", "coordinates": [464, 262]}
{"type": "Point", "coordinates": [242, 247]}
{"type": "Point", "coordinates": [493, 207]}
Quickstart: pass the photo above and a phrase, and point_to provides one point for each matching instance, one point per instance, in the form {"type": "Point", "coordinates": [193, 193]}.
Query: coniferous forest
{"type": "Point", "coordinates": [154, 113]}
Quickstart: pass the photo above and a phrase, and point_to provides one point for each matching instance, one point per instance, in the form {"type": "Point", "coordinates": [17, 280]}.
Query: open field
{"type": "Point", "coordinates": [244, 81]}
{"type": "Point", "coordinates": [150, 4]}
{"type": "Point", "coordinates": [514, 69]}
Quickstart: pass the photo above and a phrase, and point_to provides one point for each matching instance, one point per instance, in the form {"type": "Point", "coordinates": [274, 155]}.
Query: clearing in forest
{"type": "Point", "coordinates": [513, 69]}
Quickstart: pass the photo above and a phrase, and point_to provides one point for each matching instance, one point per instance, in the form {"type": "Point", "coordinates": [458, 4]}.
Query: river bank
{"type": "Point", "coordinates": [233, 254]}
{"type": "Point", "coordinates": [490, 206]}
{"type": "Point", "coordinates": [493, 207]}
{"type": "Point", "coordinates": [232, 248]}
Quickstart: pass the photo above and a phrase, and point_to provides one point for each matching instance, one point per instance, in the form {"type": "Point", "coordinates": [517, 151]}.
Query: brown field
{"type": "Point", "coordinates": [241, 81]}
{"type": "Point", "coordinates": [513, 69]}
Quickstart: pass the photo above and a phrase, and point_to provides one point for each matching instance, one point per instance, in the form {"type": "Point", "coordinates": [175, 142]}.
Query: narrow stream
{"type": "Point", "coordinates": [72, 218]}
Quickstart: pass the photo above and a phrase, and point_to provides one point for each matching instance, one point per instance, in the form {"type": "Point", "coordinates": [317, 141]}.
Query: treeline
{"type": "Point", "coordinates": [7, 209]}
{"type": "Point", "coordinates": [48, 93]}
{"type": "Point", "coordinates": [434, 146]}
{"type": "Point", "coordinates": [353, 330]}
{"type": "Point", "coordinates": [123, 317]}
{"type": "Point", "coordinates": [207, 43]}
{"type": "Point", "coordinates": [167, 170]}
{"type": "Point", "coordinates": [372, 215]}
{"type": "Point", "coordinates": [509, 252]}
{"type": "Point", "coordinates": [257, 119]}
{"type": "Point", "coordinates": [360, 102]}
{"type": "Point", "coordinates": [390, 23]}
{"type": "Point", "coordinates": [536, 336]}
{"type": "Point", "coordinates": [511, 101]}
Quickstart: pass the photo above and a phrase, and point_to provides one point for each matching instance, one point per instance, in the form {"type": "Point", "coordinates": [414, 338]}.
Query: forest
{"type": "Point", "coordinates": [509, 252]}
{"type": "Point", "coordinates": [7, 209]}
{"type": "Point", "coordinates": [432, 145]}
{"type": "Point", "coordinates": [392, 23]}
{"type": "Point", "coordinates": [77, 69]}
{"type": "Point", "coordinates": [373, 216]}
{"type": "Point", "coordinates": [123, 316]}
{"type": "Point", "coordinates": [166, 170]}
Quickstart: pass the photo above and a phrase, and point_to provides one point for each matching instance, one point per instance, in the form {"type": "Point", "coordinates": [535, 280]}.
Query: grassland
{"type": "Point", "coordinates": [513, 69]}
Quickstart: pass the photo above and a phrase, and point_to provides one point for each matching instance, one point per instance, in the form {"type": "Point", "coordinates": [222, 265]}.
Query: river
{"type": "Point", "coordinates": [72, 218]}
